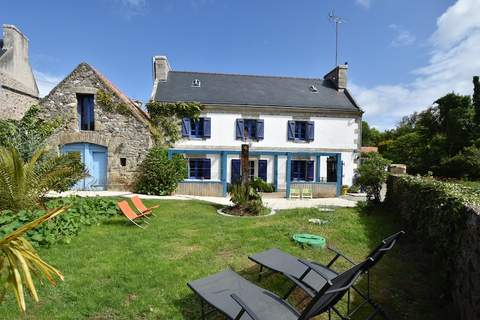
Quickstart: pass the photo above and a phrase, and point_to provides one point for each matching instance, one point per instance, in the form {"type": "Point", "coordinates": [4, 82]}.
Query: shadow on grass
{"type": "Point", "coordinates": [405, 282]}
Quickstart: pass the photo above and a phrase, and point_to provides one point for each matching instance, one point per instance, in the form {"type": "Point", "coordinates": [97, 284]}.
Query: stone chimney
{"type": "Point", "coordinates": [338, 77]}
{"type": "Point", "coordinates": [161, 68]}
{"type": "Point", "coordinates": [14, 60]}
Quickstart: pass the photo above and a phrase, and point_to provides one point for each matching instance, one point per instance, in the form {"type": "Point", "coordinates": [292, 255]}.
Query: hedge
{"type": "Point", "coordinates": [438, 214]}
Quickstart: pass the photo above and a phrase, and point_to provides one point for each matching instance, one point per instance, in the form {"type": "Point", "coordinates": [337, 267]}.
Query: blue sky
{"type": "Point", "coordinates": [403, 54]}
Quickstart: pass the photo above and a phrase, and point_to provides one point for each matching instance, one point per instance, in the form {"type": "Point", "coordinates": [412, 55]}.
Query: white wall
{"type": "Point", "coordinates": [332, 134]}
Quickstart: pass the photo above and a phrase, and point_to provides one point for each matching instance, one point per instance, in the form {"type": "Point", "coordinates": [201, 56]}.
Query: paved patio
{"type": "Point", "coordinates": [273, 203]}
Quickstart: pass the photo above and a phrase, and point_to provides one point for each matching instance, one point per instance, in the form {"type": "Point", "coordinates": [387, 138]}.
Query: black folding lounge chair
{"type": "Point", "coordinates": [239, 299]}
{"type": "Point", "coordinates": [279, 261]}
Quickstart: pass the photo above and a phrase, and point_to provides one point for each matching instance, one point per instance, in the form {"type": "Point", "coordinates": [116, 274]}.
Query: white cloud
{"type": "Point", "coordinates": [46, 82]}
{"type": "Point", "coordinates": [130, 8]}
{"type": "Point", "coordinates": [403, 37]}
{"type": "Point", "coordinates": [364, 3]}
{"type": "Point", "coordinates": [454, 60]}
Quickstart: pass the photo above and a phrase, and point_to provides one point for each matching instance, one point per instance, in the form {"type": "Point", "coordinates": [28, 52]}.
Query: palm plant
{"type": "Point", "coordinates": [23, 185]}
{"type": "Point", "coordinates": [18, 259]}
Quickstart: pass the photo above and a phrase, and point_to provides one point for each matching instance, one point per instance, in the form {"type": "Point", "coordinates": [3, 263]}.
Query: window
{"type": "Point", "coordinates": [251, 169]}
{"type": "Point", "coordinates": [85, 108]}
{"type": "Point", "coordinates": [197, 128]}
{"type": "Point", "coordinates": [302, 170]}
{"type": "Point", "coordinates": [251, 129]}
{"type": "Point", "coordinates": [196, 83]}
{"type": "Point", "coordinates": [301, 130]}
{"type": "Point", "coordinates": [123, 162]}
{"type": "Point", "coordinates": [199, 168]}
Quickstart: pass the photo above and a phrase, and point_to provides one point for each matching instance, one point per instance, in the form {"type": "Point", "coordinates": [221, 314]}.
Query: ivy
{"type": "Point", "coordinates": [106, 100]}
{"type": "Point", "coordinates": [166, 117]}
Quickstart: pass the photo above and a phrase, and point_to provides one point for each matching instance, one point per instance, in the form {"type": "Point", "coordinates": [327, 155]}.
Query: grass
{"type": "Point", "coordinates": [118, 271]}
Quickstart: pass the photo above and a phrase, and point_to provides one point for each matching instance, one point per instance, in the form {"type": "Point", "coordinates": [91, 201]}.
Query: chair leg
{"type": "Point", "coordinates": [260, 273]}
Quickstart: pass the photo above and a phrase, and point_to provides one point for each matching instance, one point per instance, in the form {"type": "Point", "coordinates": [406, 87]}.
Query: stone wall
{"type": "Point", "coordinates": [14, 104]}
{"type": "Point", "coordinates": [467, 281]}
{"type": "Point", "coordinates": [125, 135]}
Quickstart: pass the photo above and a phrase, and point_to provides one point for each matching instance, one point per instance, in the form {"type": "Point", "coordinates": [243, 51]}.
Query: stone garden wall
{"type": "Point", "coordinates": [126, 134]}
{"type": "Point", "coordinates": [445, 218]}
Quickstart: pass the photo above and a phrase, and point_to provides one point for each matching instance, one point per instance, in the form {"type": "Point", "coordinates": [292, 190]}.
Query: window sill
{"type": "Point", "coordinates": [201, 180]}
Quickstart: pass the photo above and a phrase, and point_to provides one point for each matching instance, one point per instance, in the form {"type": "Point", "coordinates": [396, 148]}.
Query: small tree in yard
{"type": "Point", "coordinates": [372, 174]}
{"type": "Point", "coordinates": [159, 175]}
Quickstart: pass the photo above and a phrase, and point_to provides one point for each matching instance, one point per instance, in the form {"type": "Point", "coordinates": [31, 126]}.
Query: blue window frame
{"type": "Point", "coordinates": [250, 128]}
{"type": "Point", "coordinates": [85, 108]}
{"type": "Point", "coordinates": [197, 128]}
{"type": "Point", "coordinates": [199, 168]}
{"type": "Point", "coordinates": [302, 170]}
{"type": "Point", "coordinates": [301, 130]}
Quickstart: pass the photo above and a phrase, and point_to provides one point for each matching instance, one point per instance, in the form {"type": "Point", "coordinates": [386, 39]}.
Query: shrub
{"type": "Point", "coordinates": [372, 174]}
{"type": "Point", "coordinates": [262, 186]}
{"type": "Point", "coordinates": [436, 213]}
{"type": "Point", "coordinates": [83, 212]}
{"type": "Point", "coordinates": [246, 200]}
{"type": "Point", "coordinates": [466, 164]}
{"type": "Point", "coordinates": [159, 175]}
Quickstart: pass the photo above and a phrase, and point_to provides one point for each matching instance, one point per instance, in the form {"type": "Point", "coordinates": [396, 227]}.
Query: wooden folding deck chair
{"type": "Point", "coordinates": [130, 214]}
{"type": "Point", "coordinates": [138, 203]}
{"type": "Point", "coordinates": [307, 193]}
{"type": "Point", "coordinates": [294, 193]}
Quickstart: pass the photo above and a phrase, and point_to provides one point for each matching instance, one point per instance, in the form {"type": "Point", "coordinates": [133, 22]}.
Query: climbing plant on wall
{"type": "Point", "coordinates": [166, 117]}
{"type": "Point", "coordinates": [106, 100]}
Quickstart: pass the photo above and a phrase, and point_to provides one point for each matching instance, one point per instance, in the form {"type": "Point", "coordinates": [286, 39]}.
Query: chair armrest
{"type": "Point", "coordinates": [298, 283]}
{"type": "Point", "coordinates": [338, 254]}
{"type": "Point", "coordinates": [245, 308]}
{"type": "Point", "coordinates": [311, 267]}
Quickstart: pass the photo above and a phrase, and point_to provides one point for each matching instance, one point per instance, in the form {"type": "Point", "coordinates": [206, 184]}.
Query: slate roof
{"type": "Point", "coordinates": [250, 90]}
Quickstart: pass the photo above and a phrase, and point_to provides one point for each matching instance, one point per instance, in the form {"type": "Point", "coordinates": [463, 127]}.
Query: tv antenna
{"type": "Point", "coordinates": [337, 20]}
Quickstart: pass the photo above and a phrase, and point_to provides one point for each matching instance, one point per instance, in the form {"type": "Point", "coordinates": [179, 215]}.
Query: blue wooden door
{"type": "Point", "coordinates": [94, 157]}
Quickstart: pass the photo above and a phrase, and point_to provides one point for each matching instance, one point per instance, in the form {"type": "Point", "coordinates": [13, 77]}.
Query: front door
{"type": "Point", "coordinates": [331, 169]}
{"type": "Point", "coordinates": [94, 158]}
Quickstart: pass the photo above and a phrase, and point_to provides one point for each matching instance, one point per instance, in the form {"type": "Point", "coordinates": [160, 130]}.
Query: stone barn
{"type": "Point", "coordinates": [109, 130]}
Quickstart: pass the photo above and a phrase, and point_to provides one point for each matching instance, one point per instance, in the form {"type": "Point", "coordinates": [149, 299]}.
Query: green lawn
{"type": "Point", "coordinates": [118, 271]}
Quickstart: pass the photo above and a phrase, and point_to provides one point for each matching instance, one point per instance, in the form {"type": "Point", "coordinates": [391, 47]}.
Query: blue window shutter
{"type": "Point", "coordinates": [90, 102]}
{"type": "Point", "coordinates": [206, 169]}
{"type": "Point", "coordinates": [235, 171]}
{"type": "Point", "coordinates": [310, 134]}
{"type": "Point", "coordinates": [206, 127]}
{"type": "Point", "coordinates": [291, 130]}
{"type": "Point", "coordinates": [262, 169]}
{"type": "Point", "coordinates": [310, 170]}
{"type": "Point", "coordinates": [186, 127]}
{"type": "Point", "coordinates": [260, 129]}
{"type": "Point", "coordinates": [239, 129]}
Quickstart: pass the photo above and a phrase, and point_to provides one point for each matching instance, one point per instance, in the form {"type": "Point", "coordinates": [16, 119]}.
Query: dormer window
{"type": "Point", "coordinates": [196, 83]}
{"type": "Point", "coordinates": [313, 88]}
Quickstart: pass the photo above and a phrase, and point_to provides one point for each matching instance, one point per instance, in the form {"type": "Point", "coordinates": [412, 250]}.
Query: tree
{"type": "Point", "coordinates": [476, 99]}
{"type": "Point", "coordinates": [370, 136]}
{"type": "Point", "coordinates": [372, 174]}
{"type": "Point", "coordinates": [19, 260]}
{"type": "Point", "coordinates": [23, 185]}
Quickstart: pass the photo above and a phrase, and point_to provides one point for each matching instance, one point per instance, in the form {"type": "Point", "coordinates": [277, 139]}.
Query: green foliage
{"type": "Point", "coordinates": [167, 117]}
{"type": "Point", "coordinates": [27, 134]}
{"type": "Point", "coordinates": [464, 165]}
{"type": "Point", "coordinates": [262, 186]}
{"type": "Point", "coordinates": [106, 100]}
{"type": "Point", "coordinates": [436, 212]}
{"type": "Point", "coordinates": [372, 174]}
{"type": "Point", "coordinates": [23, 185]}
{"type": "Point", "coordinates": [159, 175]}
{"type": "Point", "coordinates": [370, 136]}
{"type": "Point", "coordinates": [82, 212]}
{"type": "Point", "coordinates": [246, 200]}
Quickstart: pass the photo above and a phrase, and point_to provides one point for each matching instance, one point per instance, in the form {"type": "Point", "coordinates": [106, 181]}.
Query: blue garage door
{"type": "Point", "coordinates": [94, 157]}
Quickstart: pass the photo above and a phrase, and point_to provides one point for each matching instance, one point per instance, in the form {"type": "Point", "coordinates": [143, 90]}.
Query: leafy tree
{"type": "Point", "coordinates": [28, 134]}
{"type": "Point", "coordinates": [160, 175]}
{"type": "Point", "coordinates": [370, 136]}
{"type": "Point", "coordinates": [372, 174]}
{"type": "Point", "coordinates": [166, 117]}
{"type": "Point", "coordinates": [476, 99]}
{"type": "Point", "coordinates": [23, 185]}
{"type": "Point", "coordinates": [465, 164]}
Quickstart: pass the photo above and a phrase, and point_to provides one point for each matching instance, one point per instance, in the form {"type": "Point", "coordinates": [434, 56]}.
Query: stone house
{"type": "Point", "coordinates": [109, 130]}
{"type": "Point", "coordinates": [18, 88]}
{"type": "Point", "coordinates": [302, 132]}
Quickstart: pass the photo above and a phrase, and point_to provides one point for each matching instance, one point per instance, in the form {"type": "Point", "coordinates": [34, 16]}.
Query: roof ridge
{"type": "Point", "coordinates": [247, 75]}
